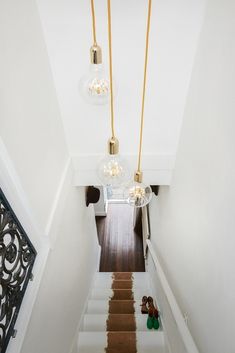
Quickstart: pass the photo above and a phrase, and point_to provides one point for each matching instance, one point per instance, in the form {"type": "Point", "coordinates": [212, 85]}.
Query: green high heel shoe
{"type": "Point", "coordinates": [155, 323]}
{"type": "Point", "coordinates": [150, 319]}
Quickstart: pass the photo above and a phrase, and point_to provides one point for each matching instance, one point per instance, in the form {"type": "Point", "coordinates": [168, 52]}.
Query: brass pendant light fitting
{"type": "Point", "coordinates": [96, 54]}
{"type": "Point", "coordinates": [138, 177]}
{"type": "Point", "coordinates": [113, 145]}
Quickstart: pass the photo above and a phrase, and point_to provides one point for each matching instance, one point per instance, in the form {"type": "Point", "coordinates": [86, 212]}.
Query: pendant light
{"type": "Point", "coordinates": [113, 169]}
{"type": "Point", "coordinates": [137, 193]}
{"type": "Point", "coordinates": [94, 86]}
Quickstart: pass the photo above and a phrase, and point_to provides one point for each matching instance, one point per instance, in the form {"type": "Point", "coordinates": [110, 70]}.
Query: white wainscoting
{"type": "Point", "coordinates": [177, 335]}
{"type": "Point", "coordinates": [145, 228]}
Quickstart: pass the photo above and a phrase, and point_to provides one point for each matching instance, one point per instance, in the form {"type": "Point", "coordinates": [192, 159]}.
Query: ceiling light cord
{"type": "Point", "coordinates": [110, 69]}
{"type": "Point", "coordinates": [93, 22]}
{"type": "Point", "coordinates": [144, 86]}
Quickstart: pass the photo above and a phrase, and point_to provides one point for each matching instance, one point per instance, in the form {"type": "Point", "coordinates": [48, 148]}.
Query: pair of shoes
{"type": "Point", "coordinates": [152, 320]}
{"type": "Point", "coordinates": [144, 309]}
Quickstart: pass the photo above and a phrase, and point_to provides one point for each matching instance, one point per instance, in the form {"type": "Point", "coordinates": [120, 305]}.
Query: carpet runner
{"type": "Point", "coordinates": [121, 325]}
{"type": "Point", "coordinates": [113, 322]}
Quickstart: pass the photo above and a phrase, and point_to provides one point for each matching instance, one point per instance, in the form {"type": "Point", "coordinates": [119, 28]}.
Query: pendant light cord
{"type": "Point", "coordinates": [110, 69]}
{"type": "Point", "coordinates": [144, 86]}
{"type": "Point", "coordinates": [93, 22]}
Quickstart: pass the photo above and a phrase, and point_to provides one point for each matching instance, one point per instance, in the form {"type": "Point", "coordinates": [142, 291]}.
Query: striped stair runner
{"type": "Point", "coordinates": [113, 322]}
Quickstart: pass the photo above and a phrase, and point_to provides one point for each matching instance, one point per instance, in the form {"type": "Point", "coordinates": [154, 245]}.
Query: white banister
{"type": "Point", "coordinates": [182, 327]}
{"type": "Point", "coordinates": [145, 228]}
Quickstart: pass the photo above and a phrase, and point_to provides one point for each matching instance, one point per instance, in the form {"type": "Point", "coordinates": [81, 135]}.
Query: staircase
{"type": "Point", "coordinates": [113, 322]}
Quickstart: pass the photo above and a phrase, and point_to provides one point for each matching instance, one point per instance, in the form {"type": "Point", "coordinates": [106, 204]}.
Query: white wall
{"type": "Point", "coordinates": [66, 281]}
{"type": "Point", "coordinates": [36, 176]}
{"type": "Point", "coordinates": [30, 121]}
{"type": "Point", "coordinates": [100, 207]}
{"type": "Point", "coordinates": [193, 223]}
{"type": "Point", "coordinates": [33, 153]}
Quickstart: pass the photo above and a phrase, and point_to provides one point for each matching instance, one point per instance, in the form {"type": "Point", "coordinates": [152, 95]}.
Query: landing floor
{"type": "Point", "coordinates": [122, 247]}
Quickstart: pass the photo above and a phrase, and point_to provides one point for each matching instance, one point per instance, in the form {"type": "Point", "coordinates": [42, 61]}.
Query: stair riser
{"type": "Point", "coordinates": [99, 323]}
{"type": "Point", "coordinates": [116, 307]}
{"type": "Point", "coordinates": [95, 342]}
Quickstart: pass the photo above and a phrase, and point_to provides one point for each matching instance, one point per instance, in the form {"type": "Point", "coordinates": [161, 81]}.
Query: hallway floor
{"type": "Point", "coordinates": [121, 245]}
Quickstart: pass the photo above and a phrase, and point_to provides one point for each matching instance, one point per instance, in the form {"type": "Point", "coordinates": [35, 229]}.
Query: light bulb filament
{"type": "Point", "coordinates": [113, 169]}
{"type": "Point", "coordinates": [137, 192]}
{"type": "Point", "coordinates": [98, 87]}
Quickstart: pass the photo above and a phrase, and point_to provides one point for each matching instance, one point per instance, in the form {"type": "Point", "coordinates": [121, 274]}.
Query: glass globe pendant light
{"type": "Point", "coordinates": [94, 86]}
{"type": "Point", "coordinates": [112, 170]}
{"type": "Point", "coordinates": [137, 193]}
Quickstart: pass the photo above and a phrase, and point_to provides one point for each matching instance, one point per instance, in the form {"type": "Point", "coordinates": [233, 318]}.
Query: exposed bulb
{"type": "Point", "coordinates": [137, 193]}
{"type": "Point", "coordinates": [94, 86]}
{"type": "Point", "coordinates": [113, 170]}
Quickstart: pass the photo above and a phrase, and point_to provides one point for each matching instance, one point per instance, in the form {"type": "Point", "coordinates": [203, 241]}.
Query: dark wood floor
{"type": "Point", "coordinates": [121, 245]}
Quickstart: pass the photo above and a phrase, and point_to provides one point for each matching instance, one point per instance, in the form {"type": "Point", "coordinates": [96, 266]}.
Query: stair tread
{"type": "Point", "coordinates": [125, 284]}
{"type": "Point", "coordinates": [123, 272]}
{"type": "Point", "coordinates": [121, 294]}
{"type": "Point", "coordinates": [151, 337]}
{"type": "Point", "coordinates": [122, 276]}
{"type": "Point", "coordinates": [114, 306]}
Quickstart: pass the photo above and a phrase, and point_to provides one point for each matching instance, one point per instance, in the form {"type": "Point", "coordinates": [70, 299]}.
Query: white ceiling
{"type": "Point", "coordinates": [175, 29]}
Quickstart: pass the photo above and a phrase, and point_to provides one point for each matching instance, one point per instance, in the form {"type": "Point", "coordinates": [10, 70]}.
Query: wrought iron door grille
{"type": "Point", "coordinates": [17, 256]}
